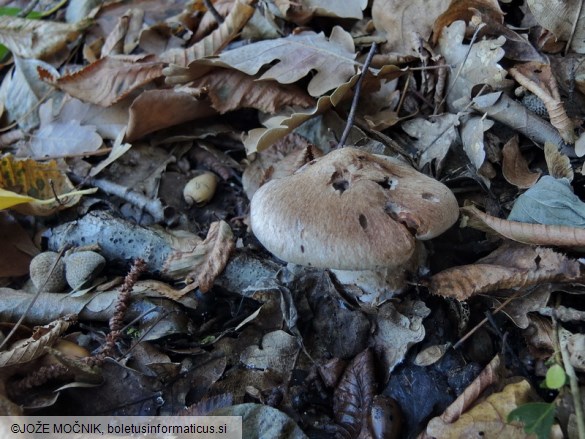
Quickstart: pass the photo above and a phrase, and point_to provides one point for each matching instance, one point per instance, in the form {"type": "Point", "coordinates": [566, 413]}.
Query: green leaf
{"type": "Point", "coordinates": [555, 377]}
{"type": "Point", "coordinates": [537, 417]}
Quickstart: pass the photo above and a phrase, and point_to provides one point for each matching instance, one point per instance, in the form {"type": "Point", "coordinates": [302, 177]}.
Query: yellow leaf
{"type": "Point", "coordinates": [9, 199]}
{"type": "Point", "coordinates": [35, 188]}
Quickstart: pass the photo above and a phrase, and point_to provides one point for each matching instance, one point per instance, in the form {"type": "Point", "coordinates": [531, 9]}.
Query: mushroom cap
{"type": "Point", "coordinates": [351, 210]}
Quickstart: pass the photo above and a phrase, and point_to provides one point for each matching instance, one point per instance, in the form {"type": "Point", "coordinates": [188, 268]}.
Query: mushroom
{"type": "Point", "coordinates": [356, 213]}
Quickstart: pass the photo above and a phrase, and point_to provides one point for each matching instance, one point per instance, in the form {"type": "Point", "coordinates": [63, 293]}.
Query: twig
{"type": "Point", "coordinates": [484, 321]}
{"type": "Point", "coordinates": [24, 12]}
{"type": "Point", "coordinates": [356, 97]}
{"type": "Point", "coordinates": [153, 206]}
{"type": "Point", "coordinates": [213, 11]}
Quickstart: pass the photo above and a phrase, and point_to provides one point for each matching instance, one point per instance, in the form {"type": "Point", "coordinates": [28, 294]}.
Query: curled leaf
{"type": "Point", "coordinates": [536, 234]}
{"type": "Point", "coordinates": [214, 42]}
{"type": "Point", "coordinates": [514, 166]}
{"type": "Point", "coordinates": [510, 266]}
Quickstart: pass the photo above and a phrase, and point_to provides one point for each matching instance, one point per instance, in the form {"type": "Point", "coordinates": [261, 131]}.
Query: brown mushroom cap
{"type": "Point", "coordinates": [351, 210]}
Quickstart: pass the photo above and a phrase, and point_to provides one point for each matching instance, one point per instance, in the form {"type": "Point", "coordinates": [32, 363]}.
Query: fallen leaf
{"type": "Point", "coordinates": [25, 186]}
{"type": "Point", "coordinates": [508, 267]}
{"type": "Point", "coordinates": [157, 109]}
{"type": "Point", "coordinates": [398, 327]}
{"type": "Point", "coordinates": [514, 166]}
{"type": "Point", "coordinates": [22, 91]}
{"type": "Point", "coordinates": [353, 396]}
{"type": "Point", "coordinates": [333, 59]}
{"type": "Point", "coordinates": [488, 418]}
{"type": "Point", "coordinates": [472, 130]}
{"type": "Point", "coordinates": [434, 137]}
{"type": "Point", "coordinates": [259, 420]}
{"type": "Point", "coordinates": [405, 26]}
{"type": "Point", "coordinates": [550, 201]}
{"type": "Point", "coordinates": [527, 233]}
{"type": "Point", "coordinates": [108, 80]}
{"type": "Point", "coordinates": [558, 164]}
{"type": "Point", "coordinates": [471, 66]}
{"type": "Point", "coordinates": [321, 8]}
{"type": "Point", "coordinates": [277, 352]}
{"type": "Point", "coordinates": [38, 39]}
{"type": "Point", "coordinates": [214, 42]}
{"type": "Point", "coordinates": [230, 90]}
{"type": "Point", "coordinates": [464, 10]}
{"type": "Point", "coordinates": [211, 256]}
{"type": "Point", "coordinates": [34, 347]}
{"type": "Point", "coordinates": [65, 138]}
{"type": "Point", "coordinates": [563, 18]}
{"type": "Point", "coordinates": [276, 127]}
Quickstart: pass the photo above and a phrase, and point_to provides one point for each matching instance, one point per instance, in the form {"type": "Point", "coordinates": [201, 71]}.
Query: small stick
{"type": "Point", "coordinates": [213, 11]}
{"type": "Point", "coordinates": [356, 97]}
{"type": "Point", "coordinates": [484, 321]}
{"type": "Point", "coordinates": [152, 206]}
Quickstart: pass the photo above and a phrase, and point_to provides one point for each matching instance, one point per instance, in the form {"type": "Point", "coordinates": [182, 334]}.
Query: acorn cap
{"type": "Point", "coordinates": [351, 210]}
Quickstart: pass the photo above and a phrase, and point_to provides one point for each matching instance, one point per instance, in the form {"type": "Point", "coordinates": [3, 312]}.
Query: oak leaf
{"type": "Point", "coordinates": [333, 59]}
{"type": "Point", "coordinates": [230, 90]}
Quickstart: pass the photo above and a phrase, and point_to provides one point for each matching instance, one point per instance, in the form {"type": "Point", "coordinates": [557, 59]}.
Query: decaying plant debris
{"type": "Point", "coordinates": [334, 219]}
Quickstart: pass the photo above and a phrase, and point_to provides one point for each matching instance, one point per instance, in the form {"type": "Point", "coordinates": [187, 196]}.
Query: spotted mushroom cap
{"type": "Point", "coordinates": [351, 210]}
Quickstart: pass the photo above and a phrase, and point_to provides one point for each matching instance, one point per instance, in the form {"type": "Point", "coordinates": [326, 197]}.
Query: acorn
{"type": "Point", "coordinates": [81, 268]}
{"type": "Point", "coordinates": [39, 270]}
{"type": "Point", "coordinates": [200, 189]}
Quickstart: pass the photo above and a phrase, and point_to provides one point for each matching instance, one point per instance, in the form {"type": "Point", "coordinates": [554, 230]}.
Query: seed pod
{"type": "Point", "coordinates": [41, 266]}
{"type": "Point", "coordinates": [83, 267]}
{"type": "Point", "coordinates": [200, 189]}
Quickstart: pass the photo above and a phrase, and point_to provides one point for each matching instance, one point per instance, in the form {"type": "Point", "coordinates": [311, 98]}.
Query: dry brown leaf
{"type": "Point", "coordinates": [214, 42]}
{"type": "Point", "coordinates": [537, 77]}
{"type": "Point", "coordinates": [354, 394]}
{"type": "Point", "coordinates": [527, 233]}
{"type": "Point", "coordinates": [464, 10]}
{"type": "Point", "coordinates": [279, 160]}
{"type": "Point", "coordinates": [488, 418]}
{"type": "Point", "coordinates": [514, 166]}
{"type": "Point", "coordinates": [208, 22]}
{"type": "Point", "coordinates": [510, 266]}
{"type": "Point", "coordinates": [489, 375]}
{"type": "Point", "coordinates": [38, 39]}
{"type": "Point", "coordinates": [333, 59]}
{"type": "Point", "coordinates": [301, 11]}
{"type": "Point", "coordinates": [107, 80]}
{"type": "Point", "coordinates": [157, 109]}
{"type": "Point", "coordinates": [558, 164]}
{"type": "Point", "coordinates": [34, 347]}
{"type": "Point", "coordinates": [561, 17]}
{"type": "Point", "coordinates": [210, 257]}
{"type": "Point", "coordinates": [405, 26]}
{"type": "Point", "coordinates": [230, 90]}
